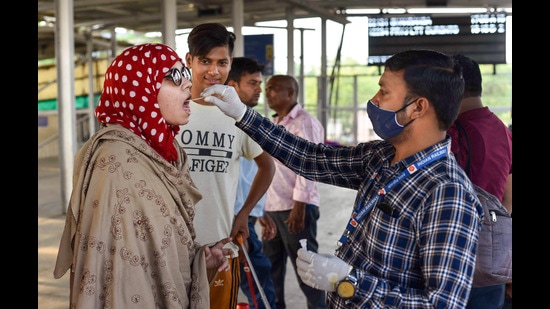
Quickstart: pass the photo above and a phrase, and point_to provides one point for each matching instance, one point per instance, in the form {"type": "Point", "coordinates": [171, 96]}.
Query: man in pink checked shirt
{"type": "Point", "coordinates": [292, 201]}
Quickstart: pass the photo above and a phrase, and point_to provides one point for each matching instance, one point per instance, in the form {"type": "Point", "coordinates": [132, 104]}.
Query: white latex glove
{"type": "Point", "coordinates": [321, 271]}
{"type": "Point", "coordinates": [226, 99]}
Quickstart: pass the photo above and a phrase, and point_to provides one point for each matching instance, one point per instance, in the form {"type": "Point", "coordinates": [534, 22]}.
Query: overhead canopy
{"type": "Point", "coordinates": [96, 16]}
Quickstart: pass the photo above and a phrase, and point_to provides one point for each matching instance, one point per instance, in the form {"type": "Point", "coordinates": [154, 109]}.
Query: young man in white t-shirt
{"type": "Point", "coordinates": [214, 146]}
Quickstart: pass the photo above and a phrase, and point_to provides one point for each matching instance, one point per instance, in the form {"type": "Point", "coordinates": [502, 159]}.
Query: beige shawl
{"type": "Point", "coordinates": [129, 236]}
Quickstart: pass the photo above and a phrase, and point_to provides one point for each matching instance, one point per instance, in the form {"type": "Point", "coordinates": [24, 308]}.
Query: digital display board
{"type": "Point", "coordinates": [481, 37]}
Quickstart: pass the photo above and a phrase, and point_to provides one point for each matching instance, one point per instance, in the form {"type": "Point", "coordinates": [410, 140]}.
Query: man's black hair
{"type": "Point", "coordinates": [240, 65]}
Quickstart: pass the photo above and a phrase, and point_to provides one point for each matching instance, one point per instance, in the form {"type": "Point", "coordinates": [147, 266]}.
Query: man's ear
{"type": "Point", "coordinates": [420, 107]}
{"type": "Point", "coordinates": [232, 83]}
{"type": "Point", "coordinates": [188, 60]}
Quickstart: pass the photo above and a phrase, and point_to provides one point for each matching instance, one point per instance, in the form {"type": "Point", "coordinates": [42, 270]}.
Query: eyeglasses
{"type": "Point", "coordinates": [177, 75]}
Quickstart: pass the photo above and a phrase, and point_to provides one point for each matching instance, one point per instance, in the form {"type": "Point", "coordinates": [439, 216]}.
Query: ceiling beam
{"type": "Point", "coordinates": [321, 12]}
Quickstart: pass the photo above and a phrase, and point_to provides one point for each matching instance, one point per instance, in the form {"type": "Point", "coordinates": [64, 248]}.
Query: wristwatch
{"type": "Point", "coordinates": [346, 287]}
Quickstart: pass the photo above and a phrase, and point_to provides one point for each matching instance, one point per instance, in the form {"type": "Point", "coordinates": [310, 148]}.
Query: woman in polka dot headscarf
{"type": "Point", "coordinates": [131, 91]}
{"type": "Point", "coordinates": [129, 235]}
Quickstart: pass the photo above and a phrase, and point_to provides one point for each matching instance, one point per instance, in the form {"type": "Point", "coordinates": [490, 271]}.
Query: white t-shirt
{"type": "Point", "coordinates": [214, 146]}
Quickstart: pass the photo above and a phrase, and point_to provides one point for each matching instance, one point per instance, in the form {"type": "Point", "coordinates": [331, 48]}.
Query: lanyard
{"type": "Point", "coordinates": [361, 211]}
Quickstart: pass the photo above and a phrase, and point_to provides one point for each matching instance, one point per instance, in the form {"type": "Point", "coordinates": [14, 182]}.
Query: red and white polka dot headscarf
{"type": "Point", "coordinates": [129, 96]}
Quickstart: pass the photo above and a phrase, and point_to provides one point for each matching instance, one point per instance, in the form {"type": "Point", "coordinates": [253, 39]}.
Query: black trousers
{"type": "Point", "coordinates": [284, 246]}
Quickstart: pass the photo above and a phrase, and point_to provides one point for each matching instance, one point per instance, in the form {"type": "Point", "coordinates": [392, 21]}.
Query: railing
{"type": "Point", "coordinates": [345, 118]}
{"type": "Point", "coordinates": [49, 147]}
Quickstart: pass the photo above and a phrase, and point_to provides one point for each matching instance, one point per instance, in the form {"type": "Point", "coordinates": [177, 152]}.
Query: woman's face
{"type": "Point", "coordinates": [173, 99]}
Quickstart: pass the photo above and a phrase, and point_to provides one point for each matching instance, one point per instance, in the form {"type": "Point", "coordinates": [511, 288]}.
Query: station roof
{"type": "Point", "coordinates": [96, 16]}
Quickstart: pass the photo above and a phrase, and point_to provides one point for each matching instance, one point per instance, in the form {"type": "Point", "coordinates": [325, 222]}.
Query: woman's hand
{"type": "Point", "coordinates": [216, 255]}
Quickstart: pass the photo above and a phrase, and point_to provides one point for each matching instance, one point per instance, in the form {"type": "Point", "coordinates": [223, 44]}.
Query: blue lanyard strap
{"type": "Point", "coordinates": [361, 211]}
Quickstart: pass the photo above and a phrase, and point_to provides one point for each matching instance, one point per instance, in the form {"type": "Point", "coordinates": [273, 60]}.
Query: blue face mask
{"type": "Point", "coordinates": [384, 122]}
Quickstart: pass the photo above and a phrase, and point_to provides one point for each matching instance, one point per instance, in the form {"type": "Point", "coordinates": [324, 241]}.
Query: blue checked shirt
{"type": "Point", "coordinates": [419, 255]}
